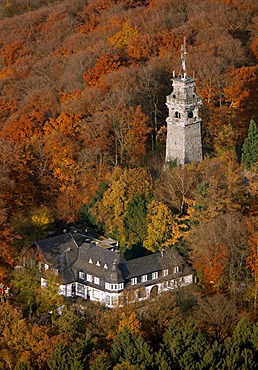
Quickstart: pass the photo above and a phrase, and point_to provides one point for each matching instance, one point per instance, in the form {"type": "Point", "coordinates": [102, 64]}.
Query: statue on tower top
{"type": "Point", "coordinates": [183, 59]}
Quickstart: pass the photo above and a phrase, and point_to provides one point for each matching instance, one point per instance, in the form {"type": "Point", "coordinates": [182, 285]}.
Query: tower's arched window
{"type": "Point", "coordinates": [177, 115]}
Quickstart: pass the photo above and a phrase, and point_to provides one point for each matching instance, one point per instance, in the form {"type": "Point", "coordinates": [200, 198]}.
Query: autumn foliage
{"type": "Point", "coordinates": [83, 88]}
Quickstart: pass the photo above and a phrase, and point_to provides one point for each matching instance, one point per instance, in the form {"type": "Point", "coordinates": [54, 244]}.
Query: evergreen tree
{"type": "Point", "coordinates": [213, 357]}
{"type": "Point", "coordinates": [132, 349]}
{"type": "Point", "coordinates": [250, 147]}
{"type": "Point", "coordinates": [101, 363]}
{"type": "Point", "coordinates": [59, 358]}
{"type": "Point", "coordinates": [242, 348]}
{"type": "Point", "coordinates": [184, 345]}
{"type": "Point", "coordinates": [77, 352]}
{"type": "Point", "coordinates": [162, 361]}
{"type": "Point", "coordinates": [21, 366]}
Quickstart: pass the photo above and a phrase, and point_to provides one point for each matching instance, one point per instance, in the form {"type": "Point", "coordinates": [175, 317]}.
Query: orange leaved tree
{"type": "Point", "coordinates": [252, 258]}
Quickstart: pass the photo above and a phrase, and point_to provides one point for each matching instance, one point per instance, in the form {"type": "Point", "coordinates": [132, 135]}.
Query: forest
{"type": "Point", "coordinates": [83, 86]}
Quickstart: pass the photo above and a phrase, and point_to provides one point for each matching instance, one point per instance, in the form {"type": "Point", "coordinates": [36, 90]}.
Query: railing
{"type": "Point", "coordinates": [193, 101]}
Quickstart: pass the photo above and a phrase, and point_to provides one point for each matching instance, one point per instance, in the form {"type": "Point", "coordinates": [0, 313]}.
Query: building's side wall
{"type": "Point", "coordinates": [114, 299]}
{"type": "Point", "coordinates": [192, 143]}
{"type": "Point", "coordinates": [175, 147]}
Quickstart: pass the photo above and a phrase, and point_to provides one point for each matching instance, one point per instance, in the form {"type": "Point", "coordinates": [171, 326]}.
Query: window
{"type": "Point", "coordinates": [46, 267]}
{"type": "Point", "coordinates": [96, 280]}
{"type": "Point", "coordinates": [176, 269]}
{"type": "Point", "coordinates": [134, 281]}
{"type": "Point", "coordinates": [114, 286]}
{"type": "Point", "coordinates": [154, 275]}
{"type": "Point", "coordinates": [43, 283]}
{"type": "Point", "coordinates": [171, 283]}
{"type": "Point", "coordinates": [81, 275]}
{"type": "Point", "coordinates": [143, 278]}
{"type": "Point", "coordinates": [89, 278]}
{"type": "Point", "coordinates": [165, 272]}
{"type": "Point", "coordinates": [80, 289]}
{"type": "Point", "coordinates": [96, 294]}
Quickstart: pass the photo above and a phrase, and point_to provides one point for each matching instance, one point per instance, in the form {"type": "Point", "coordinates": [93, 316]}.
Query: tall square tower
{"type": "Point", "coordinates": [184, 144]}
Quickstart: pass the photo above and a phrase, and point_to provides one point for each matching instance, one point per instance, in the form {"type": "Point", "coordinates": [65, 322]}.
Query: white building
{"type": "Point", "coordinates": [91, 271]}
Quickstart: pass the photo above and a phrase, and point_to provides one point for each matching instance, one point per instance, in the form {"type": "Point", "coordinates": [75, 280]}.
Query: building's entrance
{"type": "Point", "coordinates": [154, 291]}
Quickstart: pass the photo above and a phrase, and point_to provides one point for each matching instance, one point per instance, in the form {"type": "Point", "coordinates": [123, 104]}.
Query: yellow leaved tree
{"type": "Point", "coordinates": [164, 228]}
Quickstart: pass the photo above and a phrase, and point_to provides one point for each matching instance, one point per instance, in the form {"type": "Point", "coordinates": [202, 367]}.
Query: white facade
{"type": "Point", "coordinates": [134, 292]}
{"type": "Point", "coordinates": [102, 275]}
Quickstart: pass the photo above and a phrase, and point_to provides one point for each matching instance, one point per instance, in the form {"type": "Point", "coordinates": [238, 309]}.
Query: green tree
{"type": "Point", "coordinates": [21, 366]}
{"type": "Point", "coordinates": [59, 358]}
{"type": "Point", "coordinates": [77, 352]}
{"type": "Point", "coordinates": [250, 147]}
{"type": "Point", "coordinates": [135, 220]}
{"type": "Point", "coordinates": [241, 349]}
{"type": "Point", "coordinates": [213, 357]}
{"type": "Point", "coordinates": [86, 216]}
{"type": "Point", "coordinates": [48, 297]}
{"type": "Point", "coordinates": [26, 286]}
{"type": "Point", "coordinates": [100, 363]}
{"type": "Point", "coordinates": [123, 187]}
{"type": "Point", "coordinates": [132, 349]}
{"type": "Point", "coordinates": [184, 345]}
{"type": "Point", "coordinates": [68, 322]}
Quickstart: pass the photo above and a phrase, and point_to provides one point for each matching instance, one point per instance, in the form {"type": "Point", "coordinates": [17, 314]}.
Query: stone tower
{"type": "Point", "coordinates": [183, 123]}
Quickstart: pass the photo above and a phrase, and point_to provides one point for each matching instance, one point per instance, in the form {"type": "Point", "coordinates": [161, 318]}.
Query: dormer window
{"type": "Point", "coordinates": [90, 260]}
{"type": "Point", "coordinates": [98, 263]}
{"type": "Point", "coordinates": [96, 280]}
{"type": "Point", "coordinates": [143, 278]}
{"type": "Point", "coordinates": [105, 266]}
{"type": "Point", "coordinates": [81, 275]}
{"type": "Point", "coordinates": [89, 278]}
{"type": "Point", "coordinates": [134, 281]}
{"type": "Point", "coordinates": [165, 272]}
{"type": "Point", "coordinates": [154, 275]}
{"type": "Point", "coordinates": [176, 269]}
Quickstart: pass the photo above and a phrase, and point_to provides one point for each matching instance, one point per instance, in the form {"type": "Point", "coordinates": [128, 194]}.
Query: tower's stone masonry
{"type": "Point", "coordinates": [183, 123]}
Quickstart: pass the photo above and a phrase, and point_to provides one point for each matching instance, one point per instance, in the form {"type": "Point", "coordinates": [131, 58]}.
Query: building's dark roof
{"type": "Point", "coordinates": [70, 255]}
{"type": "Point", "coordinates": [101, 262]}
{"type": "Point", "coordinates": [54, 248]}
{"type": "Point", "coordinates": [154, 262]}
{"type": "Point", "coordinates": [60, 252]}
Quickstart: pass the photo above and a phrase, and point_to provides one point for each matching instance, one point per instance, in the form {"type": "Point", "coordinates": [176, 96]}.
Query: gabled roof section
{"type": "Point", "coordinates": [101, 262]}
{"type": "Point", "coordinates": [55, 248]}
